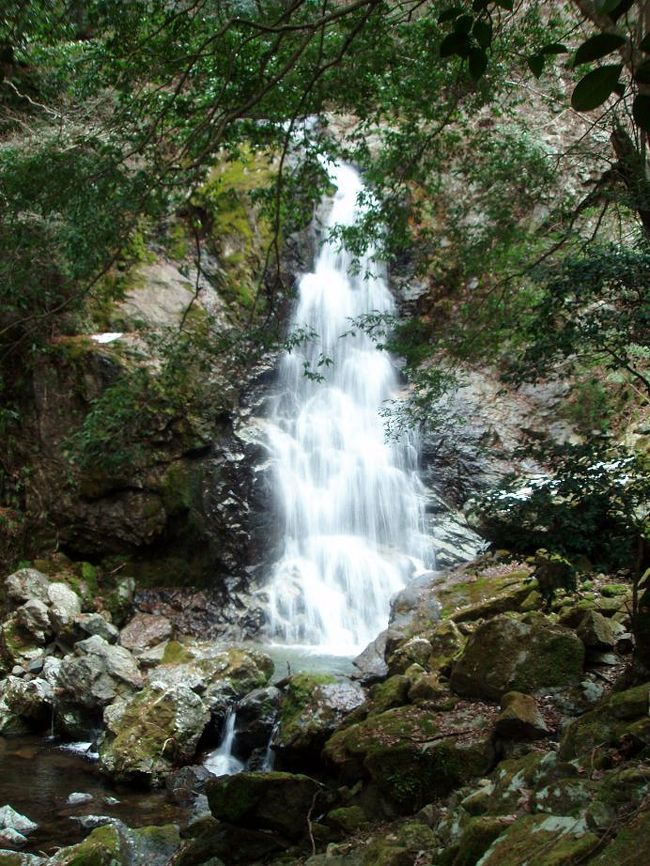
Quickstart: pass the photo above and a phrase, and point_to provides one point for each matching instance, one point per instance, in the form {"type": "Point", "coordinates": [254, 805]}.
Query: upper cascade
{"type": "Point", "coordinates": [351, 501]}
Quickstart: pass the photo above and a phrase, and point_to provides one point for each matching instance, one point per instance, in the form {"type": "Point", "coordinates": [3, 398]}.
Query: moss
{"type": "Point", "coordinates": [477, 837]}
{"type": "Point", "coordinates": [177, 240]}
{"type": "Point", "coordinates": [542, 840]}
{"type": "Point", "coordinates": [298, 694]}
{"type": "Point", "coordinates": [175, 654]}
{"type": "Point", "coordinates": [612, 590]}
{"type": "Point", "coordinates": [485, 595]}
{"type": "Point", "coordinates": [347, 818]}
{"type": "Point", "coordinates": [100, 848]}
{"type": "Point", "coordinates": [393, 692]}
{"type": "Point", "coordinates": [631, 840]}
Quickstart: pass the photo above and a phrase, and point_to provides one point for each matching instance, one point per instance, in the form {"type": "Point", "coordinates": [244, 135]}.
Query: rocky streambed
{"type": "Point", "coordinates": [484, 726]}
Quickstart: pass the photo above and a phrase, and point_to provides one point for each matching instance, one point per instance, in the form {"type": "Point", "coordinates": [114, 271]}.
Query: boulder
{"type": "Point", "coordinates": [25, 705]}
{"type": "Point", "coordinates": [64, 606]}
{"type": "Point", "coordinates": [520, 718]}
{"type": "Point", "coordinates": [278, 802]}
{"type": "Point", "coordinates": [12, 820]}
{"type": "Point", "coordinates": [27, 584]}
{"type": "Point", "coordinates": [114, 843]}
{"type": "Point", "coordinates": [91, 679]}
{"type": "Point", "coordinates": [370, 664]}
{"type": "Point", "coordinates": [144, 631]}
{"type": "Point", "coordinates": [505, 654]}
{"type": "Point", "coordinates": [16, 858]}
{"type": "Point", "coordinates": [312, 707]}
{"type": "Point", "coordinates": [152, 731]}
{"type": "Point", "coordinates": [415, 650]}
{"type": "Point", "coordinates": [33, 619]}
{"type": "Point", "coordinates": [596, 632]}
{"type": "Point", "coordinates": [408, 756]}
{"type": "Point", "coordinates": [545, 840]}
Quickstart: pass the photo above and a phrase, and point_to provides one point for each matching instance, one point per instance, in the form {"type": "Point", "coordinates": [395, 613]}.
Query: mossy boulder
{"type": "Point", "coordinates": [407, 756]}
{"type": "Point", "coordinates": [520, 718]}
{"type": "Point", "coordinates": [622, 717]}
{"type": "Point", "coordinates": [514, 782]}
{"type": "Point", "coordinates": [347, 818]}
{"type": "Point", "coordinates": [312, 707]}
{"type": "Point", "coordinates": [545, 840]}
{"type": "Point", "coordinates": [103, 847]}
{"type": "Point", "coordinates": [477, 837]}
{"type": "Point", "coordinates": [158, 728]}
{"type": "Point", "coordinates": [632, 839]}
{"type": "Point", "coordinates": [278, 802]}
{"type": "Point", "coordinates": [505, 654]}
{"type": "Point", "coordinates": [393, 692]}
{"type": "Point", "coordinates": [16, 858]}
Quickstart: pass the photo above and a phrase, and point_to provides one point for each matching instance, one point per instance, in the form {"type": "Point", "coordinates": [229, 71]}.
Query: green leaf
{"type": "Point", "coordinates": [478, 61]}
{"type": "Point", "coordinates": [536, 64]}
{"type": "Point", "coordinates": [598, 46]}
{"type": "Point", "coordinates": [482, 32]}
{"type": "Point", "coordinates": [449, 14]}
{"type": "Point", "coordinates": [642, 73]}
{"type": "Point", "coordinates": [641, 111]}
{"type": "Point", "coordinates": [455, 44]}
{"type": "Point", "coordinates": [463, 24]}
{"type": "Point", "coordinates": [595, 87]}
{"type": "Point", "coordinates": [554, 48]}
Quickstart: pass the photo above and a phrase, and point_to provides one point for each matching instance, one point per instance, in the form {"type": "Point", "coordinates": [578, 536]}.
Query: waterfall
{"type": "Point", "coordinates": [349, 499]}
{"type": "Point", "coordinates": [222, 762]}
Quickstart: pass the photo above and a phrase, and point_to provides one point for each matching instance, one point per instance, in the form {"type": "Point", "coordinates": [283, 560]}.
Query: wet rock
{"type": "Point", "coordinates": [520, 718]}
{"type": "Point", "coordinates": [149, 733]}
{"type": "Point", "coordinates": [505, 654]}
{"type": "Point", "coordinates": [370, 664]}
{"type": "Point", "coordinates": [78, 798]}
{"type": "Point", "coordinates": [185, 784]}
{"type": "Point", "coordinates": [312, 707]}
{"type": "Point", "coordinates": [12, 821]}
{"type": "Point", "coordinates": [25, 585]}
{"type": "Point", "coordinates": [256, 715]}
{"type": "Point", "coordinates": [279, 802]}
{"type": "Point", "coordinates": [145, 631]}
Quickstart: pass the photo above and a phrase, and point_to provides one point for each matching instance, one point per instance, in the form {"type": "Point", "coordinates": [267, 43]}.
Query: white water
{"type": "Point", "coordinates": [222, 762]}
{"type": "Point", "coordinates": [350, 500]}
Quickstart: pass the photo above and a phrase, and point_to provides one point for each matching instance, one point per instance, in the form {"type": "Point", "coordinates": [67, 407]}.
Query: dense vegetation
{"type": "Point", "coordinates": [533, 249]}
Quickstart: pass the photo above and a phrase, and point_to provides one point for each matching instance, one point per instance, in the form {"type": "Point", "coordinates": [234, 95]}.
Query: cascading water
{"type": "Point", "coordinates": [221, 761]}
{"type": "Point", "coordinates": [351, 501]}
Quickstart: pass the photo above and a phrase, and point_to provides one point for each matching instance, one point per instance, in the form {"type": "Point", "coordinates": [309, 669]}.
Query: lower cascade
{"type": "Point", "coordinates": [351, 501]}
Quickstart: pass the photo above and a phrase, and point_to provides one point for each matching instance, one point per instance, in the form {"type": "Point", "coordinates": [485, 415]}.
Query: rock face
{"type": "Point", "coordinates": [505, 654]}
{"type": "Point", "coordinates": [145, 631]}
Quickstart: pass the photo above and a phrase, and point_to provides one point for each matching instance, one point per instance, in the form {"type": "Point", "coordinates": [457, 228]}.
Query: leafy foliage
{"type": "Point", "coordinates": [593, 503]}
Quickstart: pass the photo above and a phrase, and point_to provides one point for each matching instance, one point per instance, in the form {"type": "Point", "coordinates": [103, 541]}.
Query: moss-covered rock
{"type": "Point", "coordinates": [157, 728]}
{"type": "Point", "coordinates": [102, 847]}
{"type": "Point", "coordinates": [312, 707]}
{"type": "Point", "coordinates": [477, 837]}
{"type": "Point", "coordinates": [405, 755]}
{"type": "Point", "coordinates": [631, 841]}
{"type": "Point", "coordinates": [279, 802]}
{"type": "Point", "coordinates": [545, 840]}
{"type": "Point", "coordinates": [347, 818]}
{"type": "Point", "coordinates": [505, 654]}
{"type": "Point", "coordinates": [393, 692]}
{"type": "Point", "coordinates": [623, 714]}
{"type": "Point", "coordinates": [520, 718]}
